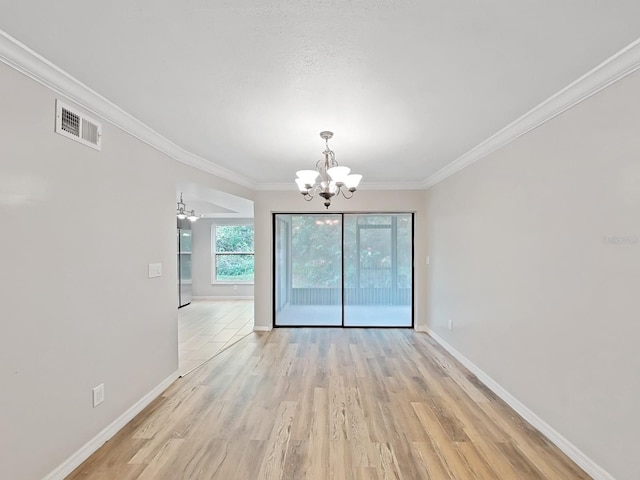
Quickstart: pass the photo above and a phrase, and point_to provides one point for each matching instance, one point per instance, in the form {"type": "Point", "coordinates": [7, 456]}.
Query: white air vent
{"type": "Point", "coordinates": [73, 124]}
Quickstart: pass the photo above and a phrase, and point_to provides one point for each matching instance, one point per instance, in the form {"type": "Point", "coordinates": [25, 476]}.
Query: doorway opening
{"type": "Point", "coordinates": [343, 270]}
{"type": "Point", "coordinates": [215, 274]}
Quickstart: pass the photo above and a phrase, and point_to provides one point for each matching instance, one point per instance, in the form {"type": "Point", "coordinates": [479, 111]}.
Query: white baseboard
{"type": "Point", "coordinates": [262, 328]}
{"type": "Point", "coordinates": [573, 452]}
{"type": "Point", "coordinates": [221, 297]}
{"type": "Point", "coordinates": [74, 461]}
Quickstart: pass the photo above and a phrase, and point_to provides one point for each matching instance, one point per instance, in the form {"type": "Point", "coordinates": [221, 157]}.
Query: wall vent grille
{"type": "Point", "coordinates": [77, 126]}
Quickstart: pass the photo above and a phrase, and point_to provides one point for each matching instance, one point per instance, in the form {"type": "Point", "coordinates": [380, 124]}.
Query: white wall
{"type": "Point", "coordinates": [202, 264]}
{"type": "Point", "coordinates": [541, 300]}
{"type": "Point", "coordinates": [79, 228]}
{"type": "Point", "coordinates": [268, 202]}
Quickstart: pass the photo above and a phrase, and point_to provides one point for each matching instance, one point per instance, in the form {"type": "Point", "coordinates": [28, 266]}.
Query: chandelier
{"type": "Point", "coordinates": [328, 179]}
{"type": "Point", "coordinates": [184, 213]}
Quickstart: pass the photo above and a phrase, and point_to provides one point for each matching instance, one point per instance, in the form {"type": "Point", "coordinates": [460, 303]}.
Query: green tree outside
{"type": "Point", "coordinates": [234, 253]}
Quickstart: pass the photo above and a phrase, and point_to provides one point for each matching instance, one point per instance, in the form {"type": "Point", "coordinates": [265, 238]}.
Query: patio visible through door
{"type": "Point", "coordinates": [351, 270]}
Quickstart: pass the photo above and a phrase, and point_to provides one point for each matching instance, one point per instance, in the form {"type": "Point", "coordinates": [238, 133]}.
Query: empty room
{"type": "Point", "coordinates": [344, 239]}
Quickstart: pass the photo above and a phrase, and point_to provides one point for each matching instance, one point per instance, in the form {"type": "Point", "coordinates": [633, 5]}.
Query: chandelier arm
{"type": "Point", "coordinates": [311, 193]}
{"type": "Point", "coordinates": [342, 191]}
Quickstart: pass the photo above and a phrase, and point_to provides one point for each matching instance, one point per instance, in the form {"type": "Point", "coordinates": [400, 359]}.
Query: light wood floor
{"type": "Point", "coordinates": [329, 404]}
{"type": "Point", "coordinates": [205, 327]}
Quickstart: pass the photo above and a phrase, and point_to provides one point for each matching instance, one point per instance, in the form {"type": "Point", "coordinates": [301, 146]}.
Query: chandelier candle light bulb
{"type": "Point", "coordinates": [333, 178]}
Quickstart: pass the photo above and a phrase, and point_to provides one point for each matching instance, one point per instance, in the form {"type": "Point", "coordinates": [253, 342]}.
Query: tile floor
{"type": "Point", "coordinates": [206, 327]}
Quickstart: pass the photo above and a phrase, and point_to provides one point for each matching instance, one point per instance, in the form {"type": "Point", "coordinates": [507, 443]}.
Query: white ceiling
{"type": "Point", "coordinates": [407, 86]}
{"type": "Point", "coordinates": [213, 203]}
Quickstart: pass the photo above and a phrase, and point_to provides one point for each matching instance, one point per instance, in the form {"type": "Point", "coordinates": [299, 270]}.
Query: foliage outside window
{"type": "Point", "coordinates": [377, 251]}
{"type": "Point", "coordinates": [233, 253]}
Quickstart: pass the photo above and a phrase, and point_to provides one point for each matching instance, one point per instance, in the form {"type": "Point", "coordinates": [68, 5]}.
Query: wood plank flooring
{"type": "Point", "coordinates": [344, 404]}
{"type": "Point", "coordinates": [206, 327]}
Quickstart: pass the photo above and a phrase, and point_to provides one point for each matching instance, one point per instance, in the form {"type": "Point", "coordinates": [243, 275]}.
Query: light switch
{"type": "Point", "coordinates": [155, 270]}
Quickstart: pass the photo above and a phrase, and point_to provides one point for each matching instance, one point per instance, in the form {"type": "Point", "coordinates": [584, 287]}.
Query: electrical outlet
{"type": "Point", "coordinates": [98, 395]}
{"type": "Point", "coordinates": [450, 324]}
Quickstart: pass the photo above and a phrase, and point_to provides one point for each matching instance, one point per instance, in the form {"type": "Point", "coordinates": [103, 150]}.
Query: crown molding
{"type": "Point", "coordinates": [391, 186]}
{"type": "Point", "coordinates": [26, 61]}
{"type": "Point", "coordinates": [616, 67]}
{"type": "Point", "coordinates": [279, 186]}
{"type": "Point", "coordinates": [365, 186]}
{"type": "Point", "coordinates": [23, 59]}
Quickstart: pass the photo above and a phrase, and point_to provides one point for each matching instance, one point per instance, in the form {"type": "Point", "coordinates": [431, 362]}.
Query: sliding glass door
{"type": "Point", "coordinates": [308, 273]}
{"type": "Point", "coordinates": [377, 270]}
{"type": "Point", "coordinates": [352, 270]}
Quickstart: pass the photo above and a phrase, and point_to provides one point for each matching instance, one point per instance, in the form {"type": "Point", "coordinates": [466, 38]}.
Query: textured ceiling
{"type": "Point", "coordinates": [407, 86]}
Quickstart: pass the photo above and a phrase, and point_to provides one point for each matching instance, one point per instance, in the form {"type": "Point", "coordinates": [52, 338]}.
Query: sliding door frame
{"type": "Point", "coordinates": [274, 216]}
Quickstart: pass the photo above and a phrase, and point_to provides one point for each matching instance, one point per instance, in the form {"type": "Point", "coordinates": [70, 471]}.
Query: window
{"type": "Point", "coordinates": [232, 253]}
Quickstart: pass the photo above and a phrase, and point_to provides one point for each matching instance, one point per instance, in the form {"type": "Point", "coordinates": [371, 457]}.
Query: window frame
{"type": "Point", "coordinates": [215, 253]}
